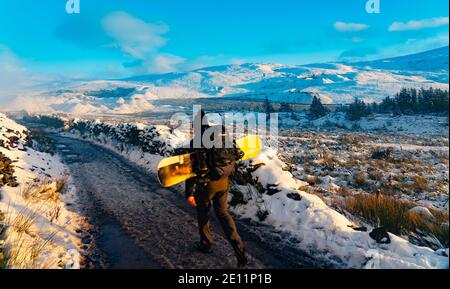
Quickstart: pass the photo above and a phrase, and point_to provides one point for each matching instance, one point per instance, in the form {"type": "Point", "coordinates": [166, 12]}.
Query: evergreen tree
{"type": "Point", "coordinates": [407, 101]}
{"type": "Point", "coordinates": [268, 108]}
{"type": "Point", "coordinates": [413, 101]}
{"type": "Point", "coordinates": [357, 110]}
{"type": "Point", "coordinates": [317, 110]}
{"type": "Point", "coordinates": [374, 108]}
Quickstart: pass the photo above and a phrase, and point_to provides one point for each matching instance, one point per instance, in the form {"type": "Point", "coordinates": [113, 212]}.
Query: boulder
{"type": "Point", "coordinates": [380, 235]}
{"type": "Point", "coordinates": [422, 211]}
{"type": "Point", "coordinates": [294, 196]}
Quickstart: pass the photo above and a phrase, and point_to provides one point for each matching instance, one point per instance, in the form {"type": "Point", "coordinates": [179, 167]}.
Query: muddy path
{"type": "Point", "coordinates": [142, 225]}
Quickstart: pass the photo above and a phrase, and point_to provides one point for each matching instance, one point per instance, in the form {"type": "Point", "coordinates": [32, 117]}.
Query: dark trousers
{"type": "Point", "coordinates": [217, 194]}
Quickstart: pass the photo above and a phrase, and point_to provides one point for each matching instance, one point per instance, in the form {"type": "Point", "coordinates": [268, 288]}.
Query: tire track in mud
{"type": "Point", "coordinates": [143, 225]}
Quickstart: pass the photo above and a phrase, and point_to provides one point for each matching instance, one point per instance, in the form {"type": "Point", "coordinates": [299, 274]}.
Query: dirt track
{"type": "Point", "coordinates": [142, 225]}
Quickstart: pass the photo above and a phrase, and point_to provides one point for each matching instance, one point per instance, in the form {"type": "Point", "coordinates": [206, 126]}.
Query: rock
{"type": "Point", "coordinates": [380, 235]}
{"type": "Point", "coordinates": [424, 212]}
{"type": "Point", "coordinates": [272, 189]}
{"type": "Point", "coordinates": [86, 240]}
{"type": "Point", "coordinates": [442, 252]}
{"type": "Point", "coordinates": [327, 184]}
{"type": "Point", "coordinates": [424, 239]}
{"type": "Point", "coordinates": [360, 229]}
{"type": "Point", "coordinates": [294, 196]}
{"type": "Point", "coordinates": [262, 215]}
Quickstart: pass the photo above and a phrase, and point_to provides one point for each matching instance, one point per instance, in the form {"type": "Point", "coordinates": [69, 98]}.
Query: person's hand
{"type": "Point", "coordinates": [191, 201]}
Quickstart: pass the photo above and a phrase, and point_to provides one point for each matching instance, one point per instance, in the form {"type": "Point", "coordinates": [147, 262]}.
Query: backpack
{"type": "Point", "coordinates": [222, 161]}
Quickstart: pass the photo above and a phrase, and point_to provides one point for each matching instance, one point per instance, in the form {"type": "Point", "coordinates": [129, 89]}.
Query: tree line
{"type": "Point", "coordinates": [409, 101]}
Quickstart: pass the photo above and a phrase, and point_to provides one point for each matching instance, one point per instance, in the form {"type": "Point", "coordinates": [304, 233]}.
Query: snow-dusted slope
{"type": "Point", "coordinates": [333, 82]}
{"type": "Point", "coordinates": [325, 233]}
{"type": "Point", "coordinates": [433, 60]}
{"type": "Point", "coordinates": [37, 230]}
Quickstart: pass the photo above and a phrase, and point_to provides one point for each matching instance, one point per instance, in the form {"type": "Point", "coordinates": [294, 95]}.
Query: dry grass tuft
{"type": "Point", "coordinates": [420, 184]}
{"type": "Point", "coordinates": [44, 190]}
{"type": "Point", "coordinates": [54, 213]}
{"type": "Point", "coordinates": [394, 215]}
{"type": "Point", "coordinates": [22, 247]}
{"type": "Point", "coordinates": [360, 180]}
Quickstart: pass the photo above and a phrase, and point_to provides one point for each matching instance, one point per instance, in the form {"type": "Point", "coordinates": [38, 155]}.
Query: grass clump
{"type": "Point", "coordinates": [420, 184]}
{"type": "Point", "coordinates": [44, 190]}
{"type": "Point", "coordinates": [395, 216]}
{"type": "Point", "coordinates": [360, 180]}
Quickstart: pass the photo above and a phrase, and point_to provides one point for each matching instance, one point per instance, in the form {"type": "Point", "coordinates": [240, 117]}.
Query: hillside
{"type": "Point", "coordinates": [334, 83]}
{"type": "Point", "coordinates": [435, 60]}
{"type": "Point", "coordinates": [38, 228]}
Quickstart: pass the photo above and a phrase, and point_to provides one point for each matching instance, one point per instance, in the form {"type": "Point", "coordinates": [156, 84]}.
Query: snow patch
{"type": "Point", "coordinates": [47, 224]}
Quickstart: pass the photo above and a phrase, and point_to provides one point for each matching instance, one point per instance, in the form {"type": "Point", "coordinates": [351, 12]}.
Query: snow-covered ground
{"type": "Point", "coordinates": [430, 125]}
{"type": "Point", "coordinates": [407, 167]}
{"type": "Point", "coordinates": [39, 227]}
{"type": "Point", "coordinates": [320, 230]}
{"type": "Point", "coordinates": [323, 231]}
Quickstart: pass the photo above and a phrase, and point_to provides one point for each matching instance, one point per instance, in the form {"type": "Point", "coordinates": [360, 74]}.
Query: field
{"type": "Point", "coordinates": [386, 179]}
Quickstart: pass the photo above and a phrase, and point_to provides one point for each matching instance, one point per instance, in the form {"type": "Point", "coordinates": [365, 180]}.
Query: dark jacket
{"type": "Point", "coordinates": [220, 164]}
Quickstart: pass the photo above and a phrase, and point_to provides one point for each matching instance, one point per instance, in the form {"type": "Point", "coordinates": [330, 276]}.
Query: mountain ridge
{"type": "Point", "coordinates": [334, 83]}
{"type": "Point", "coordinates": [438, 57]}
{"type": "Point", "coordinates": [442, 51]}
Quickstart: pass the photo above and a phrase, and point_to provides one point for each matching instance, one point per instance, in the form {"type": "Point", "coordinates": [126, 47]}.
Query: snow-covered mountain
{"type": "Point", "coordinates": [332, 82]}
{"type": "Point", "coordinates": [435, 60]}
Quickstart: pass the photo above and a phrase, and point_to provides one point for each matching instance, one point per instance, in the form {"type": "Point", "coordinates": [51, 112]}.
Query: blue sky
{"type": "Point", "coordinates": [112, 39]}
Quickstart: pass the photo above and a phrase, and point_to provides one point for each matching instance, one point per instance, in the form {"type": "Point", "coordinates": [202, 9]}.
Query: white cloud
{"type": "Point", "coordinates": [14, 76]}
{"type": "Point", "coordinates": [428, 43]}
{"type": "Point", "coordinates": [142, 41]}
{"type": "Point", "coordinates": [350, 27]}
{"type": "Point", "coordinates": [419, 24]}
{"type": "Point", "coordinates": [134, 36]}
{"type": "Point", "coordinates": [19, 84]}
{"type": "Point", "coordinates": [164, 63]}
{"type": "Point", "coordinates": [412, 46]}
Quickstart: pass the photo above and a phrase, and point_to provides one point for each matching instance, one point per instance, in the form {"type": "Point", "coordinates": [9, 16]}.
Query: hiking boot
{"type": "Point", "coordinates": [203, 248]}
